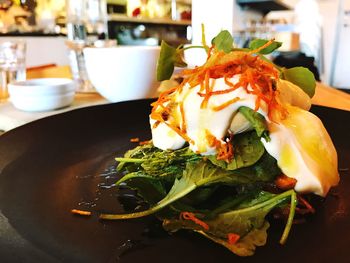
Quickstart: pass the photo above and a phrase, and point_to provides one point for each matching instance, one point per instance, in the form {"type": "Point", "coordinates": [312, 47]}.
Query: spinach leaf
{"type": "Point", "coordinates": [169, 57]}
{"type": "Point", "coordinates": [223, 41]}
{"type": "Point", "coordinates": [166, 61]}
{"type": "Point", "coordinates": [149, 188]}
{"type": "Point", "coordinates": [257, 43]}
{"type": "Point", "coordinates": [265, 170]}
{"type": "Point", "coordinates": [195, 175]}
{"type": "Point", "coordinates": [257, 121]}
{"type": "Point", "coordinates": [247, 150]}
{"type": "Point", "coordinates": [301, 77]}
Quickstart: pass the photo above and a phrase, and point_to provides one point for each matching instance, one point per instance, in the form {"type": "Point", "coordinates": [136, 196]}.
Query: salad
{"type": "Point", "coordinates": [232, 143]}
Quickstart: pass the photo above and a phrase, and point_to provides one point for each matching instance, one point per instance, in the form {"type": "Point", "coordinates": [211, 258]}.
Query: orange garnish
{"type": "Point", "coordinates": [192, 217]}
{"type": "Point", "coordinates": [232, 238]}
{"type": "Point", "coordinates": [224, 149]}
{"type": "Point", "coordinates": [257, 77]}
{"type": "Point", "coordinates": [144, 142]}
{"type": "Point", "coordinates": [80, 212]}
{"type": "Point", "coordinates": [226, 104]}
{"type": "Point", "coordinates": [134, 139]}
{"type": "Point", "coordinates": [284, 182]}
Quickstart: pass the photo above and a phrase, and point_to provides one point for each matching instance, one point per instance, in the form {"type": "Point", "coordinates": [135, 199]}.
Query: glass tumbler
{"type": "Point", "coordinates": [86, 23]}
{"type": "Point", "coordinates": [12, 65]}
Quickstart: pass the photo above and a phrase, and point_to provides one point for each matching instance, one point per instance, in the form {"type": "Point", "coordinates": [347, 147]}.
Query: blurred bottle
{"type": "Point", "coordinates": [29, 5]}
{"type": "Point", "coordinates": [5, 4]}
{"type": "Point", "coordinates": [86, 23]}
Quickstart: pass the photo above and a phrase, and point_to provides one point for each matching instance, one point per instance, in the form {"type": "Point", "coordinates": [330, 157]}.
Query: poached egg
{"type": "Point", "coordinates": [300, 143]}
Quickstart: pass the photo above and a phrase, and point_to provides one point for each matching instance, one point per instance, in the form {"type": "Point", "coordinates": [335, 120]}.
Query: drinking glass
{"type": "Point", "coordinates": [86, 23]}
{"type": "Point", "coordinates": [12, 65]}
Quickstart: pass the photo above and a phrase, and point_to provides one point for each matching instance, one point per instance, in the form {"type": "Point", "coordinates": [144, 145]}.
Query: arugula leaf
{"type": "Point", "coordinates": [223, 41]}
{"type": "Point", "coordinates": [257, 121]}
{"type": "Point", "coordinates": [257, 43]}
{"type": "Point", "coordinates": [241, 220]}
{"type": "Point", "coordinates": [248, 149]}
{"type": "Point", "coordinates": [247, 220]}
{"type": "Point", "coordinates": [169, 57]}
{"type": "Point", "coordinates": [301, 77]}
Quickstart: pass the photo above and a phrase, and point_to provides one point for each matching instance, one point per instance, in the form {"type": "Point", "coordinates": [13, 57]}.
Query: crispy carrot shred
{"type": "Point", "coordinates": [192, 217]}
{"type": "Point", "coordinates": [226, 104]}
{"type": "Point", "coordinates": [135, 139]}
{"type": "Point", "coordinates": [224, 149]}
{"type": "Point", "coordinates": [81, 212]}
{"type": "Point", "coordinates": [232, 238]}
{"type": "Point", "coordinates": [284, 182]}
{"type": "Point", "coordinates": [257, 77]}
{"type": "Point", "coordinates": [144, 142]}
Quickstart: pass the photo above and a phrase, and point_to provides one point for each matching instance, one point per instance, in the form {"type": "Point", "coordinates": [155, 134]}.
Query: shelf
{"type": "Point", "coordinates": [159, 21]}
{"type": "Point", "coordinates": [264, 6]}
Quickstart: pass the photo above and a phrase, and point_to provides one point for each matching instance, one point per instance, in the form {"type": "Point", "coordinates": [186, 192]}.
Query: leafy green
{"type": "Point", "coordinates": [195, 175]}
{"type": "Point", "coordinates": [257, 121]}
{"type": "Point", "coordinates": [241, 220]}
{"type": "Point", "coordinates": [149, 188]}
{"type": "Point", "coordinates": [247, 219]}
{"type": "Point", "coordinates": [223, 41]}
{"type": "Point", "coordinates": [265, 170]}
{"type": "Point", "coordinates": [301, 77]}
{"type": "Point", "coordinates": [169, 57]}
{"type": "Point", "coordinates": [247, 150]}
{"type": "Point", "coordinates": [293, 204]}
{"type": "Point", "coordinates": [166, 61]}
{"type": "Point", "coordinates": [257, 43]}
{"type": "Point", "coordinates": [155, 162]}
{"type": "Point", "coordinates": [246, 245]}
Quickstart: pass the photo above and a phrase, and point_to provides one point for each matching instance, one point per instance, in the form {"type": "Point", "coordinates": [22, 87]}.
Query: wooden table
{"type": "Point", "coordinates": [10, 117]}
{"type": "Point", "coordinates": [324, 96]}
{"type": "Point", "coordinates": [331, 97]}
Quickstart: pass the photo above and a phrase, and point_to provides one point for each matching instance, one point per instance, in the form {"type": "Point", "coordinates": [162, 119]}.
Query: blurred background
{"type": "Point", "coordinates": [315, 33]}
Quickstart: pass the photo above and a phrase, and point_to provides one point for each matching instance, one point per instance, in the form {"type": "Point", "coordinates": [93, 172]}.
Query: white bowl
{"type": "Point", "coordinates": [124, 72]}
{"type": "Point", "coordinates": [42, 94]}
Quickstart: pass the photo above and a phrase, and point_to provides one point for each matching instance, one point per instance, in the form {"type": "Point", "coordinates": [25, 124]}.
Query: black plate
{"type": "Point", "coordinates": [53, 165]}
